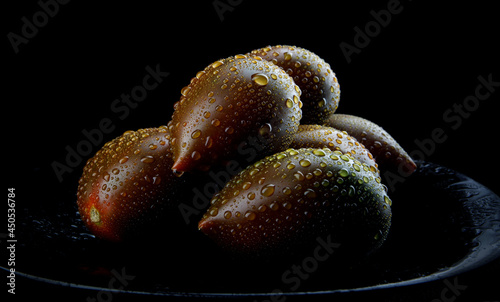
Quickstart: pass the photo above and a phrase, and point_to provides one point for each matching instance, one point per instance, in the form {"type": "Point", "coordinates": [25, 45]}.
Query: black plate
{"type": "Point", "coordinates": [444, 224]}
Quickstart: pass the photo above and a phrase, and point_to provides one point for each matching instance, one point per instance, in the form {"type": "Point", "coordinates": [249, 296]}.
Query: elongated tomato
{"type": "Point", "coordinates": [229, 102]}
{"type": "Point", "coordinates": [386, 150]}
{"type": "Point", "coordinates": [314, 76]}
{"type": "Point", "coordinates": [295, 195]}
{"type": "Point", "coordinates": [128, 183]}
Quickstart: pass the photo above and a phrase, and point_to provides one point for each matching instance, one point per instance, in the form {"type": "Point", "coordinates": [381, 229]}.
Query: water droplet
{"type": "Point", "coordinates": [287, 191]}
{"type": "Point", "coordinates": [147, 159]}
{"type": "Point", "coordinates": [299, 176]}
{"type": "Point", "coordinates": [317, 172]}
{"type": "Point", "coordinates": [209, 142]}
{"type": "Point", "coordinates": [254, 171]}
{"type": "Point", "coordinates": [214, 211]}
{"type": "Point", "coordinates": [219, 108]}
{"type": "Point", "coordinates": [115, 171]}
{"type": "Point", "coordinates": [343, 173]}
{"type": "Point", "coordinates": [251, 196]}
{"type": "Point", "coordinates": [352, 191]}
{"type": "Point", "coordinates": [195, 155]}
{"type": "Point", "coordinates": [289, 103]}
{"type": "Point", "coordinates": [310, 193]}
{"type": "Point", "coordinates": [290, 166]}
{"type": "Point", "coordinates": [388, 200]}
{"type": "Point", "coordinates": [274, 206]}
{"type": "Point", "coordinates": [287, 56]}
{"type": "Point", "coordinates": [156, 180]}
{"type": "Point", "coordinates": [265, 130]}
{"type": "Point", "coordinates": [267, 190]}
{"type": "Point", "coordinates": [305, 163]}
{"type": "Point", "coordinates": [217, 64]}
{"type": "Point", "coordinates": [250, 215]}
{"type": "Point", "coordinates": [260, 79]}
{"type": "Point", "coordinates": [280, 156]}
{"type": "Point", "coordinates": [196, 133]}
{"type": "Point", "coordinates": [344, 157]}
{"type": "Point", "coordinates": [206, 114]}
{"type": "Point", "coordinates": [229, 130]}
{"type": "Point", "coordinates": [185, 90]}
{"type": "Point", "coordinates": [106, 176]}
{"type": "Point", "coordinates": [319, 152]}
{"type": "Point", "coordinates": [227, 214]}
{"type": "Point", "coordinates": [153, 147]}
{"type": "Point", "coordinates": [199, 74]}
{"type": "Point", "coordinates": [123, 160]}
{"type": "Point", "coordinates": [215, 122]}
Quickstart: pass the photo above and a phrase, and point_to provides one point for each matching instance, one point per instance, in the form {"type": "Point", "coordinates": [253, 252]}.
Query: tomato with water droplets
{"type": "Point", "coordinates": [387, 152]}
{"type": "Point", "coordinates": [128, 183]}
{"type": "Point", "coordinates": [320, 90]}
{"type": "Point", "coordinates": [293, 196]}
{"type": "Point", "coordinates": [316, 136]}
{"type": "Point", "coordinates": [232, 101]}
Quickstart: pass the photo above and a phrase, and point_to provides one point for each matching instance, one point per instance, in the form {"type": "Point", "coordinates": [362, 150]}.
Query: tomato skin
{"type": "Point", "coordinates": [227, 104]}
{"type": "Point", "coordinates": [316, 136]}
{"type": "Point", "coordinates": [128, 183]}
{"type": "Point", "coordinates": [292, 197]}
{"type": "Point", "coordinates": [388, 153]}
{"type": "Point", "coordinates": [318, 83]}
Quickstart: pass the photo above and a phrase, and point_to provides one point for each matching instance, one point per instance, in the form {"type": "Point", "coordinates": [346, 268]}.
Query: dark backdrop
{"type": "Point", "coordinates": [404, 75]}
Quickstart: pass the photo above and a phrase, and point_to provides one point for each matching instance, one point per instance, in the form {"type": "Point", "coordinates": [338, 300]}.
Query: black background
{"type": "Point", "coordinates": [65, 78]}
